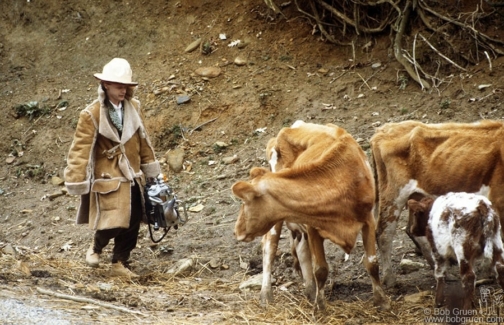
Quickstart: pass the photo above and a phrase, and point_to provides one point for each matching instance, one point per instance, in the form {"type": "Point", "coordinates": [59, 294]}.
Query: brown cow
{"type": "Point", "coordinates": [329, 188]}
{"type": "Point", "coordinates": [462, 226]}
{"type": "Point", "coordinates": [298, 233]}
{"type": "Point", "coordinates": [412, 158]}
{"type": "Point", "coordinates": [280, 155]}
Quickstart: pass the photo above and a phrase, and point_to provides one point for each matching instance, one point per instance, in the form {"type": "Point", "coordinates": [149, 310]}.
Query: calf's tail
{"type": "Point", "coordinates": [375, 179]}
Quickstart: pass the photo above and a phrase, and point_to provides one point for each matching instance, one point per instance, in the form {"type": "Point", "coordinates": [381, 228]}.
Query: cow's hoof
{"type": "Point", "coordinates": [266, 298]}
{"type": "Point", "coordinates": [311, 293]}
{"type": "Point", "coordinates": [380, 299]}
{"type": "Point", "coordinates": [389, 280]}
{"type": "Point", "coordinates": [383, 303]}
{"type": "Point", "coordinates": [320, 305]}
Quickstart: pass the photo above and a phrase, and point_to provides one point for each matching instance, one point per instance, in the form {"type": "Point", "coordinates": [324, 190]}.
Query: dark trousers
{"type": "Point", "coordinates": [125, 240]}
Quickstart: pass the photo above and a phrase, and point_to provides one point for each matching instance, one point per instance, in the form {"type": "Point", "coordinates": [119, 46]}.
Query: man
{"type": "Point", "coordinates": [109, 160]}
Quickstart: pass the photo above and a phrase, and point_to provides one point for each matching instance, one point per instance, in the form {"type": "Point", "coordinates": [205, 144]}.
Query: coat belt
{"type": "Point", "coordinates": [123, 162]}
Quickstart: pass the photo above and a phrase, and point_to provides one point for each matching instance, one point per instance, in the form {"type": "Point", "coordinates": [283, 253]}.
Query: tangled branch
{"type": "Point", "coordinates": [346, 22]}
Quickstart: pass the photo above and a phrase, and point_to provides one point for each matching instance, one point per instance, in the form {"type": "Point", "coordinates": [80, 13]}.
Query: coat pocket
{"type": "Point", "coordinates": [107, 193]}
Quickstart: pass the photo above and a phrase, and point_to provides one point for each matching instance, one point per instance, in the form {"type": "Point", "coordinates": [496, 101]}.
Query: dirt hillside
{"type": "Point", "coordinates": [280, 71]}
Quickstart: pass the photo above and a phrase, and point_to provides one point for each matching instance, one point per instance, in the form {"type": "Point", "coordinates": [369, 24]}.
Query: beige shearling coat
{"type": "Point", "coordinates": [101, 167]}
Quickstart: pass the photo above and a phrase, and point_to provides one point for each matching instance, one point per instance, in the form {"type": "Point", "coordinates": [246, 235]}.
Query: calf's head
{"type": "Point", "coordinates": [273, 155]}
{"type": "Point", "coordinates": [254, 217]}
{"type": "Point", "coordinates": [419, 215]}
{"type": "Point", "coordinates": [279, 159]}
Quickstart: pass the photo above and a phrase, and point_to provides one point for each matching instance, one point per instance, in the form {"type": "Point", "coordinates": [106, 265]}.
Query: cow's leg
{"type": "Point", "coordinates": [498, 259]}
{"type": "Point", "coordinates": [320, 266]}
{"type": "Point", "coordinates": [300, 250]}
{"type": "Point", "coordinates": [498, 262]}
{"type": "Point", "coordinates": [371, 264]}
{"type": "Point", "coordinates": [465, 258]}
{"type": "Point", "coordinates": [440, 266]}
{"type": "Point", "coordinates": [295, 239]}
{"type": "Point", "coordinates": [385, 232]}
{"type": "Point", "coordinates": [468, 281]}
{"type": "Point", "coordinates": [269, 247]}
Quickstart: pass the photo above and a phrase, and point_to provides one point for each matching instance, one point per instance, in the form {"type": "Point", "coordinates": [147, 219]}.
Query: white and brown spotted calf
{"type": "Point", "coordinates": [329, 188]}
{"type": "Point", "coordinates": [411, 158]}
{"type": "Point", "coordinates": [462, 226]}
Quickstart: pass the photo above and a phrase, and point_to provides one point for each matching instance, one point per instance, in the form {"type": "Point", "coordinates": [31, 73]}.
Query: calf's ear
{"type": "Point", "coordinates": [417, 218]}
{"type": "Point", "coordinates": [414, 205]}
{"type": "Point", "coordinates": [244, 190]}
{"type": "Point", "coordinates": [427, 203]}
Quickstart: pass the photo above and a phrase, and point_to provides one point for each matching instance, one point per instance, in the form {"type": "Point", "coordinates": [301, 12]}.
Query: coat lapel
{"type": "Point", "coordinates": [131, 121]}
{"type": "Point", "coordinates": [107, 129]}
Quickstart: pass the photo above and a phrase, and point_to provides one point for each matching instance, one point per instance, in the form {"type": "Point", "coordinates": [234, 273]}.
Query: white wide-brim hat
{"type": "Point", "coordinates": [117, 70]}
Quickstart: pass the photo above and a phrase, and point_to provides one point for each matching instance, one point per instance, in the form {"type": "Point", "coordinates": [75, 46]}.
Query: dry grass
{"type": "Point", "coordinates": [159, 298]}
{"type": "Point", "coordinates": [198, 297]}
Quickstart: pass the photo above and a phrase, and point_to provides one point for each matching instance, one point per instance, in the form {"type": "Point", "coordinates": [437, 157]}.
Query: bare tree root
{"type": "Point", "coordinates": [479, 36]}
{"type": "Point", "coordinates": [272, 6]}
{"type": "Point", "coordinates": [403, 20]}
{"type": "Point", "coordinates": [495, 3]}
{"type": "Point", "coordinates": [358, 27]}
{"type": "Point", "coordinates": [441, 54]}
{"type": "Point", "coordinates": [321, 27]}
{"type": "Point", "coordinates": [344, 22]}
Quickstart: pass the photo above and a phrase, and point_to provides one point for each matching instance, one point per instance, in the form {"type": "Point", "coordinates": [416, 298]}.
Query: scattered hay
{"type": "Point", "coordinates": [193, 299]}
{"type": "Point", "coordinates": [160, 298]}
